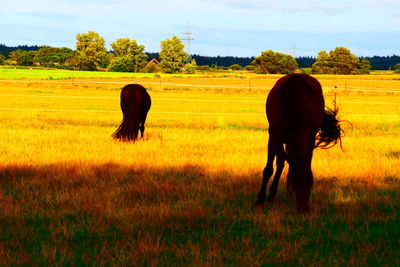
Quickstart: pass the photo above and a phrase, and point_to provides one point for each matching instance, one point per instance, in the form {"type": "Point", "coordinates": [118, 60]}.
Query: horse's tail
{"type": "Point", "coordinates": [330, 132]}
{"type": "Point", "coordinates": [128, 130]}
{"type": "Point", "coordinates": [131, 105]}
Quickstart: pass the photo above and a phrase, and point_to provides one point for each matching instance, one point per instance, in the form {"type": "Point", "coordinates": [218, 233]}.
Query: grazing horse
{"type": "Point", "coordinates": [135, 103]}
{"type": "Point", "coordinates": [297, 118]}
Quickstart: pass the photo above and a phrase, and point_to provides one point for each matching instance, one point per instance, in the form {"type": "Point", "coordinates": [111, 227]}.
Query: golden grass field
{"type": "Point", "coordinates": [184, 195]}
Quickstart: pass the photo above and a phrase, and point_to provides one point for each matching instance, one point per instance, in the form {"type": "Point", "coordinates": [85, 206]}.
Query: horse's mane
{"type": "Point", "coordinates": [330, 133]}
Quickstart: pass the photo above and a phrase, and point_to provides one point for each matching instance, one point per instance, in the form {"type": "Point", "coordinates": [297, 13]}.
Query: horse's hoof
{"type": "Point", "coordinates": [271, 199]}
{"type": "Point", "coordinates": [259, 205]}
{"type": "Point", "coordinates": [302, 210]}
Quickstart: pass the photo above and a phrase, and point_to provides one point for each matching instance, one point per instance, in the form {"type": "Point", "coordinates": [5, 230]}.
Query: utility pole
{"type": "Point", "coordinates": [188, 38]}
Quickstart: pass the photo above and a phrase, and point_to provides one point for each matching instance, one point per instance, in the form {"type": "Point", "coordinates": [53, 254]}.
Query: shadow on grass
{"type": "Point", "coordinates": [111, 214]}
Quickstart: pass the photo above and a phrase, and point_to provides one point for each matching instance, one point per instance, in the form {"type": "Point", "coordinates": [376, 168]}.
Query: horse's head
{"type": "Point", "coordinates": [330, 132]}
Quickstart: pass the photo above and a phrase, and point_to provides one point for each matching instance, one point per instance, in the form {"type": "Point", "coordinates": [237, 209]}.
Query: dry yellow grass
{"type": "Point", "coordinates": [184, 194]}
{"type": "Point", "coordinates": [56, 119]}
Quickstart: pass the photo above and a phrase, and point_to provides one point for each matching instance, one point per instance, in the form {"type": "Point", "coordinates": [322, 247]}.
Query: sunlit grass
{"type": "Point", "coordinates": [71, 195]}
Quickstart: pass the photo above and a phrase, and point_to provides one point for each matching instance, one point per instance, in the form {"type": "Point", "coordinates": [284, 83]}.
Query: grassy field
{"type": "Point", "coordinates": [71, 195]}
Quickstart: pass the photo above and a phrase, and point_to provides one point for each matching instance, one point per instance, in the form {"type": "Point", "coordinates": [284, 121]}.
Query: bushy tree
{"type": "Point", "coordinates": [22, 57]}
{"type": "Point", "coordinates": [2, 59]}
{"type": "Point", "coordinates": [90, 51]}
{"type": "Point", "coordinates": [172, 55]}
{"type": "Point", "coordinates": [73, 62]}
{"type": "Point", "coordinates": [129, 56]}
{"type": "Point", "coordinates": [50, 56]}
{"type": "Point", "coordinates": [323, 63]}
{"type": "Point", "coordinates": [235, 67]}
{"type": "Point", "coordinates": [122, 64]}
{"type": "Point", "coordinates": [151, 67]}
{"type": "Point", "coordinates": [126, 46]}
{"type": "Point", "coordinates": [287, 64]}
{"type": "Point", "coordinates": [26, 59]}
{"type": "Point", "coordinates": [249, 67]}
{"type": "Point", "coordinates": [365, 66]}
{"type": "Point", "coordinates": [343, 61]}
{"type": "Point", "coordinates": [190, 68]}
{"type": "Point", "coordinates": [271, 62]}
{"type": "Point", "coordinates": [340, 61]}
{"type": "Point", "coordinates": [14, 55]}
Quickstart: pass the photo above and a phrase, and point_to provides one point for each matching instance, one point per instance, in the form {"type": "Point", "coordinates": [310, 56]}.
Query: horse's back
{"type": "Point", "coordinates": [295, 101]}
{"type": "Point", "coordinates": [135, 96]}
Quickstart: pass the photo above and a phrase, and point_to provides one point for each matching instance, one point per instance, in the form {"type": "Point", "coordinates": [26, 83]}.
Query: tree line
{"type": "Point", "coordinates": [91, 54]}
{"type": "Point", "coordinates": [377, 62]}
{"type": "Point", "coordinates": [129, 56]}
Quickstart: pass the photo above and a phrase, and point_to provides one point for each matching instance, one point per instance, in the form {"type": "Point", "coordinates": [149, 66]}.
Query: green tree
{"type": "Point", "coordinates": [172, 55]}
{"type": "Point", "coordinates": [364, 66]}
{"type": "Point", "coordinates": [90, 51]}
{"type": "Point", "coordinates": [339, 61]}
{"type": "Point", "coordinates": [22, 57]}
{"type": "Point", "coordinates": [151, 67]}
{"type": "Point", "coordinates": [122, 64]}
{"type": "Point", "coordinates": [2, 59]}
{"type": "Point", "coordinates": [14, 55]}
{"type": "Point", "coordinates": [26, 59]}
{"type": "Point", "coordinates": [249, 67]}
{"type": "Point", "coordinates": [287, 64]}
{"type": "Point", "coordinates": [343, 61]}
{"type": "Point", "coordinates": [129, 56]}
{"type": "Point", "coordinates": [322, 63]}
{"type": "Point", "coordinates": [235, 67]}
{"type": "Point", "coordinates": [50, 56]}
{"type": "Point", "coordinates": [190, 68]}
{"type": "Point", "coordinates": [73, 62]}
{"type": "Point", "coordinates": [271, 62]}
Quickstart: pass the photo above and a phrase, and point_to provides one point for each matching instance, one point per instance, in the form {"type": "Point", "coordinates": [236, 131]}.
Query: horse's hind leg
{"type": "Point", "coordinates": [302, 190]}
{"type": "Point", "coordinates": [303, 179]}
{"type": "Point", "coordinates": [280, 164]}
{"type": "Point", "coordinates": [268, 170]}
{"type": "Point", "coordinates": [267, 173]}
{"type": "Point", "coordinates": [142, 121]}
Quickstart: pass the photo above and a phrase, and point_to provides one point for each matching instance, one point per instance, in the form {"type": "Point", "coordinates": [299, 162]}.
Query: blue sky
{"type": "Point", "coordinates": [220, 27]}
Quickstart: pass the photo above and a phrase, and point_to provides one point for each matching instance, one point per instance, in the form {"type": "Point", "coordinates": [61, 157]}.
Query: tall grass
{"type": "Point", "coordinates": [72, 195]}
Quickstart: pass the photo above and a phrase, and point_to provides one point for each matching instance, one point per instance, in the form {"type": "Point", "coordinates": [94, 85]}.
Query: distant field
{"type": "Point", "coordinates": [50, 74]}
{"type": "Point", "coordinates": [10, 73]}
{"type": "Point", "coordinates": [71, 195]}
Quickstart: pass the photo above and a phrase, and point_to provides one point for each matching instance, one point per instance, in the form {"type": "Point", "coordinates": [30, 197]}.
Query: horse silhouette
{"type": "Point", "coordinates": [298, 123]}
{"type": "Point", "coordinates": [135, 103]}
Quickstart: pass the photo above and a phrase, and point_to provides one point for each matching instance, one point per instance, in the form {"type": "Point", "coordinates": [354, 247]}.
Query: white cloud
{"type": "Point", "coordinates": [97, 7]}
{"type": "Point", "coordinates": [278, 4]}
{"type": "Point", "coordinates": [382, 2]}
{"type": "Point", "coordinates": [224, 26]}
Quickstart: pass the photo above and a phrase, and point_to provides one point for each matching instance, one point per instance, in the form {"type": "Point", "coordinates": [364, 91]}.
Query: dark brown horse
{"type": "Point", "coordinates": [135, 103]}
{"type": "Point", "coordinates": [297, 119]}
